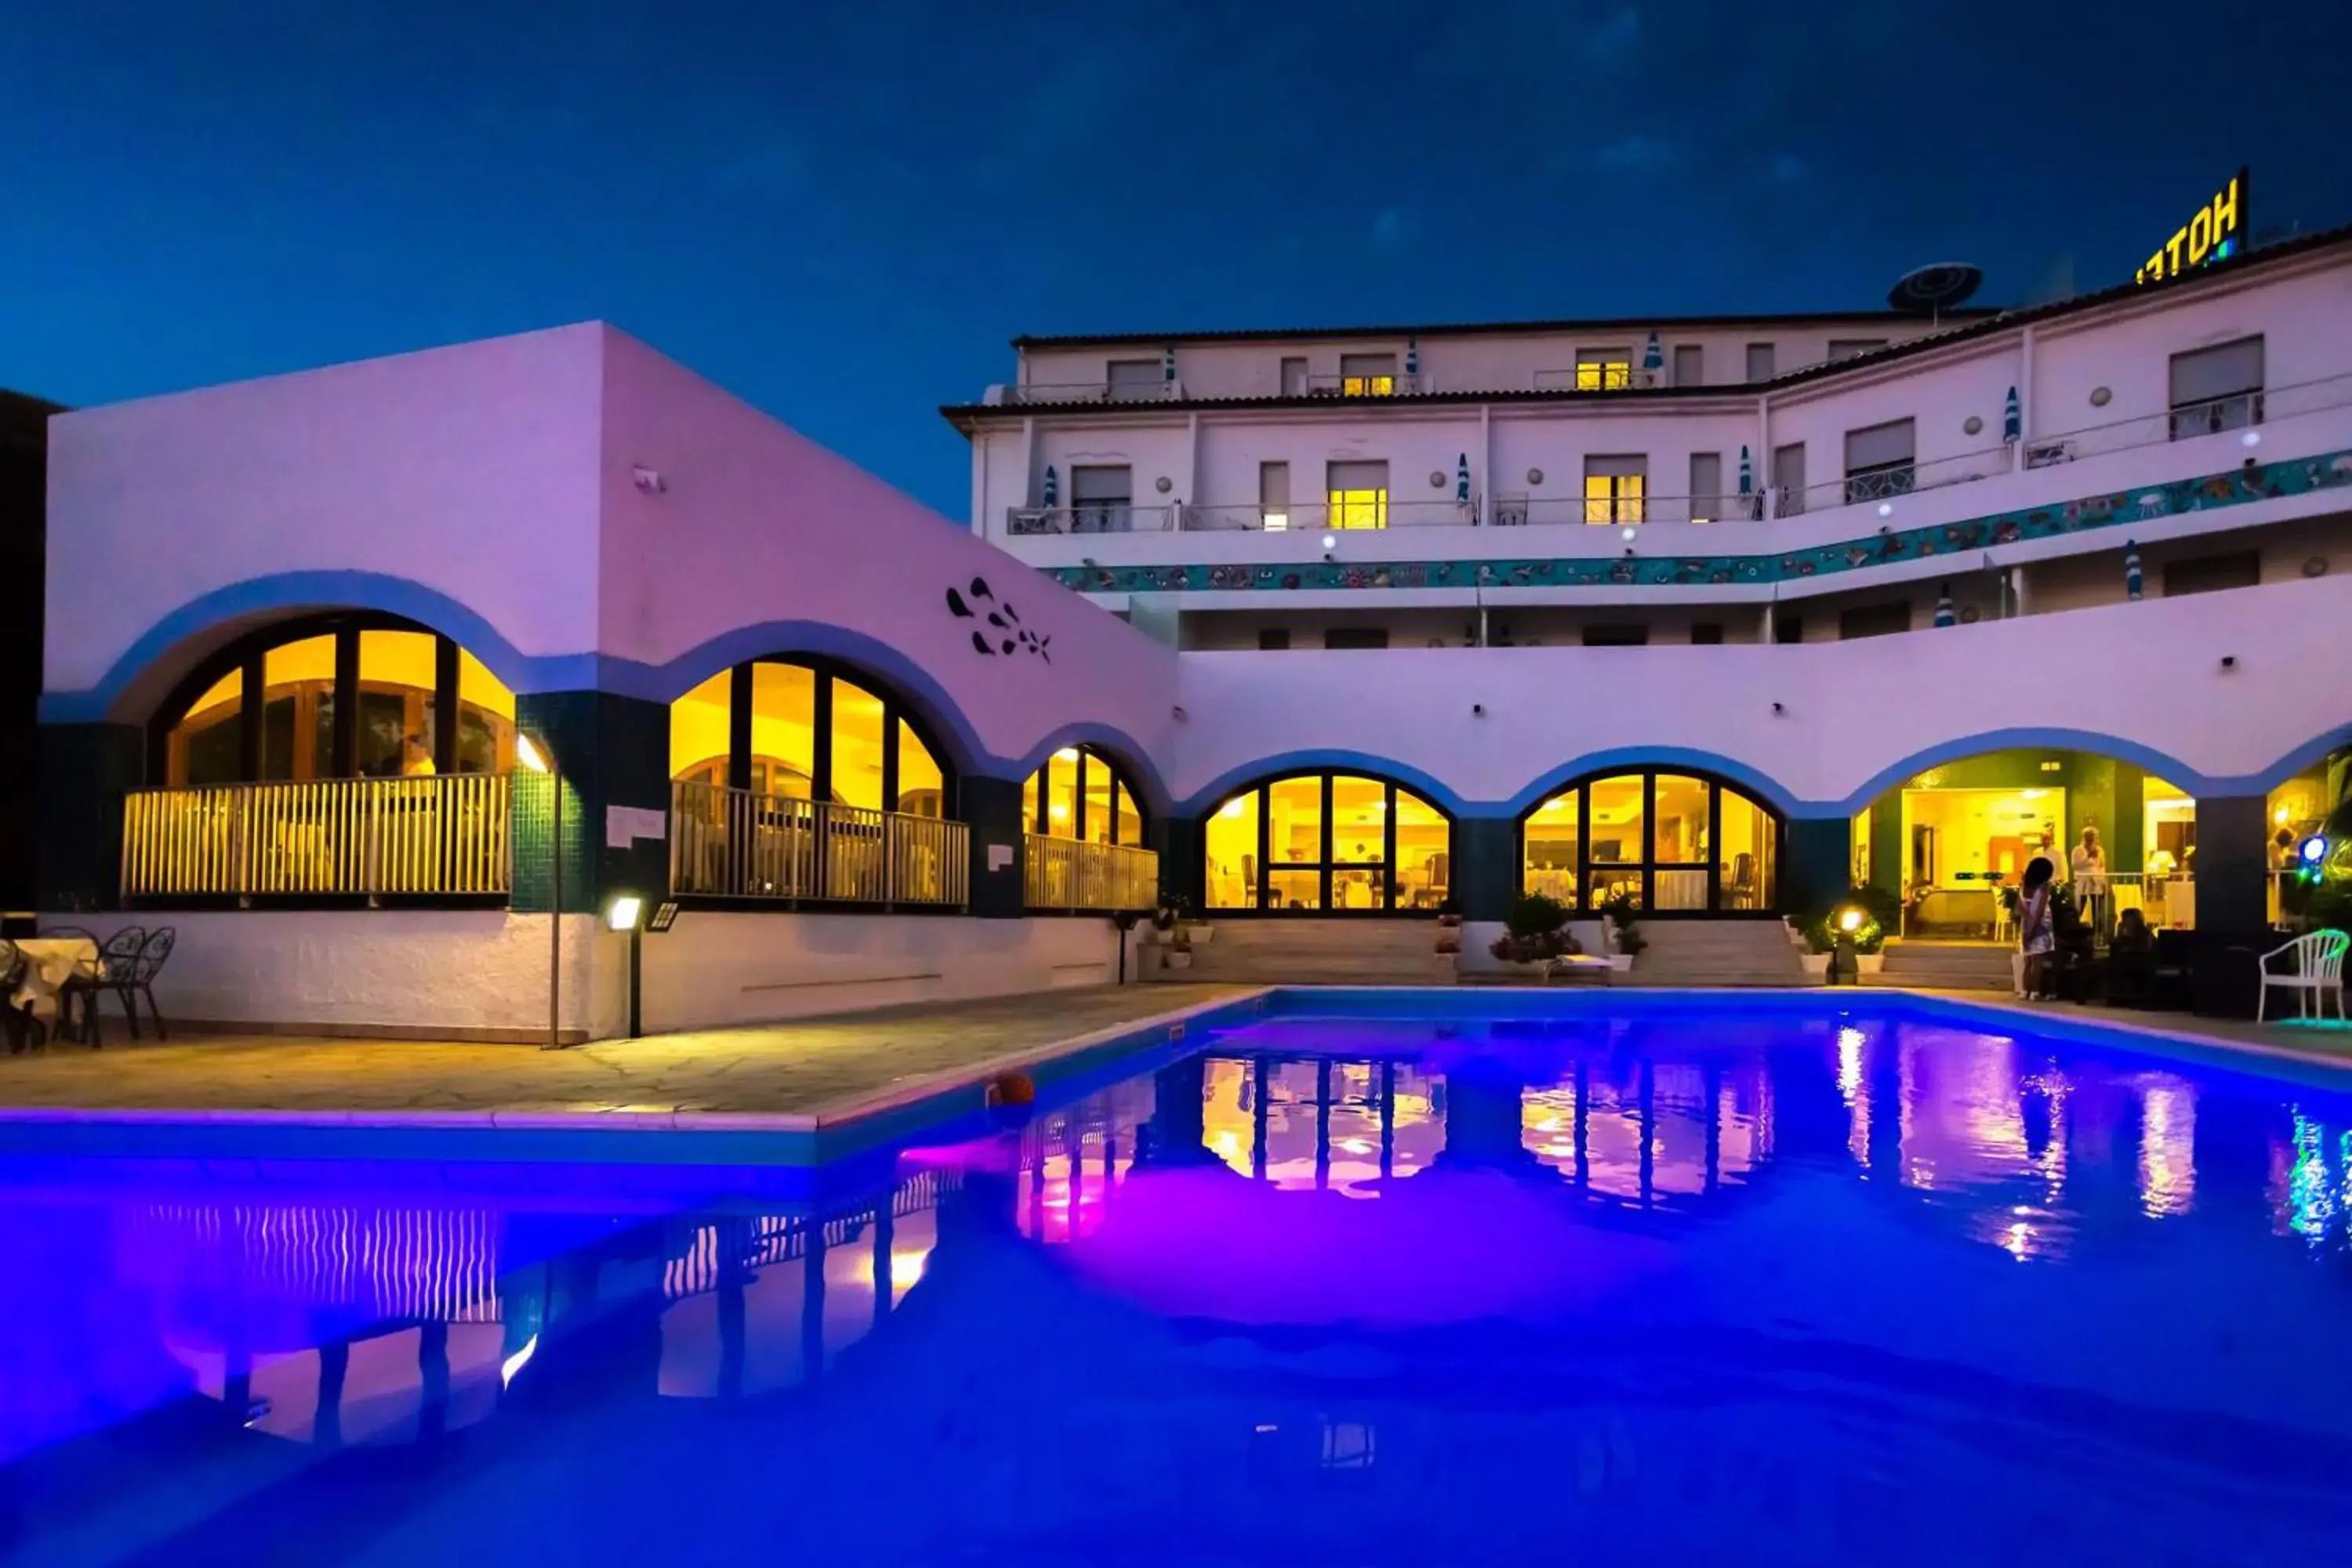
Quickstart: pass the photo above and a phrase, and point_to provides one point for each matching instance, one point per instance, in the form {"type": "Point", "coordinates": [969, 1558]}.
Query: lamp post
{"type": "Point", "coordinates": [540, 758]}
{"type": "Point", "coordinates": [625, 913]}
{"type": "Point", "coordinates": [1844, 968]}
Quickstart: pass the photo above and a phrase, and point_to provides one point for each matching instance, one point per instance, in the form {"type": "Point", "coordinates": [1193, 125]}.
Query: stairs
{"type": "Point", "coordinates": [1945, 966]}
{"type": "Point", "coordinates": [1716, 953]}
{"type": "Point", "coordinates": [1313, 952]}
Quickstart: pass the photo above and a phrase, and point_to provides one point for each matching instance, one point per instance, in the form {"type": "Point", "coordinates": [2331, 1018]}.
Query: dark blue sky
{"type": "Point", "coordinates": [841, 212]}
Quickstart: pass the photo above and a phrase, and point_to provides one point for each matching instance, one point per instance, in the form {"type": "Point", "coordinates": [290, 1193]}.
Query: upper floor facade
{"type": "Point", "coordinates": [1679, 463]}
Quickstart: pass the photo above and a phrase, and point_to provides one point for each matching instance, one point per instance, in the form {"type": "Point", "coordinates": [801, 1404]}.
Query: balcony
{"type": "Point", "coordinates": [1519, 510]}
{"type": "Point", "coordinates": [741, 844]}
{"type": "Point", "coordinates": [1094, 517]}
{"type": "Point", "coordinates": [445, 837]}
{"type": "Point", "coordinates": [1065, 874]}
{"type": "Point", "coordinates": [1354, 514]}
{"type": "Point", "coordinates": [1383, 383]}
{"type": "Point", "coordinates": [1065, 393]}
{"type": "Point", "coordinates": [1610, 377]}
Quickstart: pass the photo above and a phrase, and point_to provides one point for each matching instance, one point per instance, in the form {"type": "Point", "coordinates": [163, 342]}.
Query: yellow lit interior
{"type": "Point", "coordinates": [1230, 846]}
{"type": "Point", "coordinates": [1369, 386]}
{"type": "Point", "coordinates": [1360, 508]}
{"type": "Point", "coordinates": [1613, 498]}
{"type": "Point", "coordinates": [1604, 375]}
{"type": "Point", "coordinates": [1979, 832]}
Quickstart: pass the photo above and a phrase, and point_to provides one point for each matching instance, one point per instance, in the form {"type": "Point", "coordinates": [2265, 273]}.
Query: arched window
{"type": "Point", "coordinates": [344, 696]}
{"type": "Point", "coordinates": [806, 729]}
{"type": "Point", "coordinates": [1669, 840]}
{"type": "Point", "coordinates": [1327, 841]}
{"type": "Point", "coordinates": [1079, 793]}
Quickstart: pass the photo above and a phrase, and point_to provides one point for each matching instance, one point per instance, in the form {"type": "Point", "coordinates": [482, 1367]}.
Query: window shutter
{"type": "Point", "coordinates": [1760, 362]}
{"type": "Point", "coordinates": [1878, 447]}
{"type": "Point", "coordinates": [1104, 483]}
{"type": "Point", "coordinates": [2221, 371]}
{"type": "Point", "coordinates": [1137, 375]}
{"type": "Point", "coordinates": [1274, 484]}
{"type": "Point", "coordinates": [1368, 364]}
{"type": "Point", "coordinates": [1358, 477]}
{"type": "Point", "coordinates": [1706, 476]}
{"type": "Point", "coordinates": [1613, 463]}
{"type": "Point", "coordinates": [1690, 363]}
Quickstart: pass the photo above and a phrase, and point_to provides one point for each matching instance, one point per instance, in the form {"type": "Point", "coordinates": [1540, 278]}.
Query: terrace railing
{"type": "Point", "coordinates": [1093, 517]}
{"type": "Point", "coordinates": [444, 836]}
{"type": "Point", "coordinates": [1315, 516]}
{"type": "Point", "coordinates": [1065, 874]}
{"type": "Point", "coordinates": [742, 844]}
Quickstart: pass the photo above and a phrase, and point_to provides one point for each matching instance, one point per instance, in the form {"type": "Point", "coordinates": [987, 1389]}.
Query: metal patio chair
{"type": "Point", "coordinates": [117, 959]}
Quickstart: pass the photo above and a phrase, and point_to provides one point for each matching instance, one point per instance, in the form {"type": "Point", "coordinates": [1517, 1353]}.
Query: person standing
{"type": "Point", "coordinates": [2037, 932]}
{"type": "Point", "coordinates": [2090, 877]}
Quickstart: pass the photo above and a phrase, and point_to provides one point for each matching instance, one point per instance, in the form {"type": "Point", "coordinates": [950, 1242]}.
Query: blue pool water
{"type": "Point", "coordinates": [1470, 1279]}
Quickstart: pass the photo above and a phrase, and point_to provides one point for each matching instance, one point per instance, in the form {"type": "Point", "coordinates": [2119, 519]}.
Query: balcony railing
{"type": "Point", "coordinates": [1599, 378]}
{"type": "Point", "coordinates": [741, 844]}
{"type": "Point", "coordinates": [1887, 481]}
{"type": "Point", "coordinates": [1319, 516]}
{"type": "Point", "coordinates": [444, 836]}
{"type": "Point", "coordinates": [1061, 392]}
{"type": "Point", "coordinates": [2239, 410]}
{"type": "Point", "coordinates": [1091, 517]}
{"type": "Point", "coordinates": [1065, 874]}
{"type": "Point", "coordinates": [1519, 510]}
{"type": "Point", "coordinates": [1383, 383]}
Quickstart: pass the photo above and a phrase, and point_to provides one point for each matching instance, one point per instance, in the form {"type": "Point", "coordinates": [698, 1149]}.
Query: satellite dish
{"type": "Point", "coordinates": [1932, 289]}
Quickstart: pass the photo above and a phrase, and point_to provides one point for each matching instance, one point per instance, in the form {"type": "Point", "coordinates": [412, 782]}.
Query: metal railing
{"type": "Point", "coordinates": [1521, 510]}
{"type": "Point", "coordinates": [741, 844]}
{"type": "Point", "coordinates": [1385, 383]}
{"type": "Point", "coordinates": [1887, 482]}
{"type": "Point", "coordinates": [1598, 378]}
{"type": "Point", "coordinates": [1065, 874]}
{"type": "Point", "coordinates": [1160, 391]}
{"type": "Point", "coordinates": [446, 835]}
{"type": "Point", "coordinates": [1315, 516]}
{"type": "Point", "coordinates": [2240, 410]}
{"type": "Point", "coordinates": [1089, 517]}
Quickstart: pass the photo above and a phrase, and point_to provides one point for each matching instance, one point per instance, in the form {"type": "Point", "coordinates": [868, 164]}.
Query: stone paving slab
{"type": "Point", "coordinates": [793, 1069]}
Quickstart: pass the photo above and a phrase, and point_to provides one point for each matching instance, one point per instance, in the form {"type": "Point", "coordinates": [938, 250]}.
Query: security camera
{"type": "Point", "coordinates": [1478, 710]}
{"type": "Point", "coordinates": [1178, 714]}
{"type": "Point", "coordinates": [1778, 709]}
{"type": "Point", "coordinates": [649, 480]}
{"type": "Point", "coordinates": [2229, 662]}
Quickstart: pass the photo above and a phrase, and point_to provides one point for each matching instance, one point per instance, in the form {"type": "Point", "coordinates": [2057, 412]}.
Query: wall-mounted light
{"type": "Point", "coordinates": [1886, 509]}
{"type": "Point", "coordinates": [1626, 532]}
{"type": "Point", "coordinates": [623, 912]}
{"type": "Point", "coordinates": [2250, 439]}
{"type": "Point", "coordinates": [1330, 542]}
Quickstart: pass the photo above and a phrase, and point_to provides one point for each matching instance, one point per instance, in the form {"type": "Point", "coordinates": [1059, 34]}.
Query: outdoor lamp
{"type": "Point", "coordinates": [1850, 921]}
{"type": "Point", "coordinates": [2314, 849]}
{"type": "Point", "coordinates": [621, 913]}
{"type": "Point", "coordinates": [1844, 968]}
{"type": "Point", "coordinates": [540, 758]}
{"type": "Point", "coordinates": [624, 914]}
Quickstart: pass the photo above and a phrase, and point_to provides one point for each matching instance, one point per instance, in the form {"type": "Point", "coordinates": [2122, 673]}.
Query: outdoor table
{"type": "Point", "coordinates": [49, 962]}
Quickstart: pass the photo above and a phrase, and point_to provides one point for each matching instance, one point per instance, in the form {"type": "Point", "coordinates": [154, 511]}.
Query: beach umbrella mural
{"type": "Point", "coordinates": [1654, 358]}
{"type": "Point", "coordinates": [2131, 569]}
{"type": "Point", "coordinates": [1461, 478]}
{"type": "Point", "coordinates": [1053, 492]}
{"type": "Point", "coordinates": [1746, 481]}
{"type": "Point", "coordinates": [2011, 425]}
{"type": "Point", "coordinates": [1944, 615]}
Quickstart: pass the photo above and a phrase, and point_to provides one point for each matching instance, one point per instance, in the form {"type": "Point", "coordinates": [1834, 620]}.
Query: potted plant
{"type": "Point", "coordinates": [1535, 933]}
{"type": "Point", "coordinates": [1449, 929]}
{"type": "Point", "coordinates": [1625, 936]}
{"type": "Point", "coordinates": [1819, 946]}
{"type": "Point", "coordinates": [1174, 936]}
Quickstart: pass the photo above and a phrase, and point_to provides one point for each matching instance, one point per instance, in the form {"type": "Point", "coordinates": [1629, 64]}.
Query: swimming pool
{"type": "Point", "coordinates": [1336, 1278]}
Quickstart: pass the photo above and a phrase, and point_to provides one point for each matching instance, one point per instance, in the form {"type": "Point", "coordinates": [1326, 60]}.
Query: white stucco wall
{"type": "Point", "coordinates": [716, 968]}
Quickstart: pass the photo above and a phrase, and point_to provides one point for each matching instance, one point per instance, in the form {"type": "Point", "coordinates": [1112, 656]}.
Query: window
{"type": "Point", "coordinates": [801, 730]}
{"type": "Point", "coordinates": [1669, 841]}
{"type": "Point", "coordinates": [1705, 486]}
{"type": "Point", "coordinates": [1853, 348]}
{"type": "Point", "coordinates": [1760, 362]}
{"type": "Point", "coordinates": [1273, 497]}
{"type": "Point", "coordinates": [1604, 370]}
{"type": "Point", "coordinates": [1272, 639]}
{"type": "Point", "coordinates": [1878, 461]}
{"type": "Point", "coordinates": [1342, 842]}
{"type": "Point", "coordinates": [1612, 488]}
{"type": "Point", "coordinates": [1356, 637]}
{"type": "Point", "coordinates": [1358, 494]}
{"type": "Point", "coordinates": [1131, 379]}
{"type": "Point", "coordinates": [1366, 375]}
{"type": "Point", "coordinates": [1789, 479]}
{"type": "Point", "coordinates": [1616, 635]}
{"type": "Point", "coordinates": [350, 696]}
{"type": "Point", "coordinates": [1707, 632]}
{"type": "Point", "coordinates": [2217, 389]}
{"type": "Point", "coordinates": [2211, 573]}
{"type": "Point", "coordinates": [1100, 497]}
{"type": "Point", "coordinates": [1078, 793]}
{"type": "Point", "coordinates": [1787, 628]}
{"type": "Point", "coordinates": [1690, 361]}
{"type": "Point", "coordinates": [1294, 377]}
{"type": "Point", "coordinates": [1874, 620]}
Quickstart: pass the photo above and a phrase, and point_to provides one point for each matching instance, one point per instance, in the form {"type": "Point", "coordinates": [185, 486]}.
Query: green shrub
{"type": "Point", "coordinates": [1535, 915]}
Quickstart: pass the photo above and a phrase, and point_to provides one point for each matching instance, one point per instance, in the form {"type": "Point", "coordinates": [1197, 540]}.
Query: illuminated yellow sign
{"type": "Point", "coordinates": [2218, 230]}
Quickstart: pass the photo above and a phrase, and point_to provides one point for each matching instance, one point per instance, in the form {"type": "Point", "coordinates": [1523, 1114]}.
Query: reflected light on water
{"type": "Point", "coordinates": [2168, 1147]}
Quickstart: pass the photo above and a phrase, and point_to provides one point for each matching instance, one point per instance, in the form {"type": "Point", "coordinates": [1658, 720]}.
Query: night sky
{"type": "Point", "coordinates": [841, 212]}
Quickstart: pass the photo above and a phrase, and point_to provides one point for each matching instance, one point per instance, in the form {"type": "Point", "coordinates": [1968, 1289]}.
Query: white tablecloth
{"type": "Point", "coordinates": [50, 962]}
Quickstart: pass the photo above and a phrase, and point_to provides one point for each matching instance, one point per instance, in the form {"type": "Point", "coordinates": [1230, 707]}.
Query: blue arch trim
{"type": "Point", "coordinates": [2170, 768]}
{"type": "Point", "coordinates": [144, 663]}
{"type": "Point", "coordinates": [1761, 786]}
{"type": "Point", "coordinates": [1214, 793]}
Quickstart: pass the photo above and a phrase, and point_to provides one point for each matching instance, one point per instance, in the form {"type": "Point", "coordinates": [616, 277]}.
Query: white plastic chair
{"type": "Point", "coordinates": [2316, 968]}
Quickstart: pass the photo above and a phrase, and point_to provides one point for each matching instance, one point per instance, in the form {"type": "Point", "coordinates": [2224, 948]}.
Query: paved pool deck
{"type": "Point", "coordinates": [806, 1068]}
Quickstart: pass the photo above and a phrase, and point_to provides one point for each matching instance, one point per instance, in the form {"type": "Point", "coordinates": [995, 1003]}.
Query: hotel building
{"type": "Point", "coordinates": [1719, 615]}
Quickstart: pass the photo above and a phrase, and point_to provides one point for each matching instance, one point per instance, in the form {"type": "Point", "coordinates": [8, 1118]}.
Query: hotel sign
{"type": "Point", "coordinates": [2219, 230]}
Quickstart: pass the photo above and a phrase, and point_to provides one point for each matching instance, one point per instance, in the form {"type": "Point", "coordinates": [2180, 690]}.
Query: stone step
{"type": "Point", "coordinates": [1716, 953]}
{"type": "Point", "coordinates": [1327, 951]}
{"type": "Point", "coordinates": [1959, 966]}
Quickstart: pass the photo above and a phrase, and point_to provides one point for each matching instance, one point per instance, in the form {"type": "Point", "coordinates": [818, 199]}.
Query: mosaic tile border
{"type": "Point", "coordinates": [2252, 482]}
